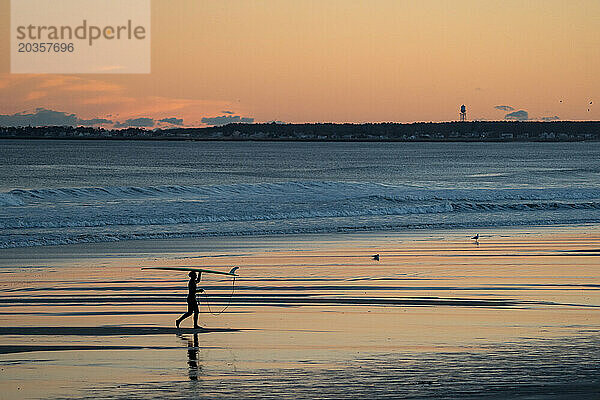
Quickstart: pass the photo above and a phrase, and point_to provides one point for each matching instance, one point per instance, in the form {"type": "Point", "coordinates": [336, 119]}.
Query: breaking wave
{"type": "Point", "coordinates": [317, 190]}
{"type": "Point", "coordinates": [97, 214]}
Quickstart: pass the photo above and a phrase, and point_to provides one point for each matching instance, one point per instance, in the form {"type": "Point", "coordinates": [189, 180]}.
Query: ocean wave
{"type": "Point", "coordinates": [124, 220]}
{"type": "Point", "coordinates": [358, 210]}
{"type": "Point", "coordinates": [8, 199]}
{"type": "Point", "coordinates": [51, 239]}
{"type": "Point", "coordinates": [318, 190]}
{"type": "Point", "coordinates": [526, 206]}
{"type": "Point", "coordinates": [31, 217]}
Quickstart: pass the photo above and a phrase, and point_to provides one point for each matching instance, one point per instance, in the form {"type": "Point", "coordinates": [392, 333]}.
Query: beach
{"type": "Point", "coordinates": [438, 316]}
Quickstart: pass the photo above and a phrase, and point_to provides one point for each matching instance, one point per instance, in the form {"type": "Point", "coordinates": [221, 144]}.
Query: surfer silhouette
{"type": "Point", "coordinates": [191, 299]}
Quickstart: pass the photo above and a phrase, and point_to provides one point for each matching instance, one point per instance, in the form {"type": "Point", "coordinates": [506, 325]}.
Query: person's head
{"type": "Point", "coordinates": [192, 274]}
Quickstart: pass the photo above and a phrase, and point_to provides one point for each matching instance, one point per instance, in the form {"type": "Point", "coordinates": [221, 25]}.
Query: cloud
{"type": "Point", "coordinates": [504, 108]}
{"type": "Point", "coordinates": [45, 117]}
{"type": "Point", "coordinates": [226, 119]}
{"type": "Point", "coordinates": [520, 115]}
{"type": "Point", "coordinates": [101, 97]}
{"type": "Point", "coordinates": [172, 121]}
{"type": "Point", "coordinates": [35, 95]}
{"type": "Point", "coordinates": [142, 122]}
{"type": "Point", "coordinates": [553, 118]}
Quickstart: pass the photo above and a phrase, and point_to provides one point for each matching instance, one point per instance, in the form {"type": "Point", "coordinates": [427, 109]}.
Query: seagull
{"type": "Point", "coordinates": [376, 257]}
{"type": "Point", "coordinates": [476, 238]}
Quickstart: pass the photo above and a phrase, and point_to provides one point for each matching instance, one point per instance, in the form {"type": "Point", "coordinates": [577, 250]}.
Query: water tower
{"type": "Point", "coordinates": [463, 113]}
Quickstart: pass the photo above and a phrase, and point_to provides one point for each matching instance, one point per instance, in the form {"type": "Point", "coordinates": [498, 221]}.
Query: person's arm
{"type": "Point", "coordinates": [198, 281]}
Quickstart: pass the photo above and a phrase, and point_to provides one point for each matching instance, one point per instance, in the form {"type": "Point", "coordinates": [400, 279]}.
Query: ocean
{"type": "Point", "coordinates": [62, 192]}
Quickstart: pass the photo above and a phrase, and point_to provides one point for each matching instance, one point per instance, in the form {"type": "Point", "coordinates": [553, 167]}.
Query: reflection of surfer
{"type": "Point", "coordinates": [192, 350]}
{"type": "Point", "coordinates": [194, 368]}
{"type": "Point", "coordinates": [191, 299]}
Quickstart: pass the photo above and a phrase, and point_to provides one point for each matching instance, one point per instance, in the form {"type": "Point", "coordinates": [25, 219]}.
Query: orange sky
{"type": "Point", "coordinates": [340, 60]}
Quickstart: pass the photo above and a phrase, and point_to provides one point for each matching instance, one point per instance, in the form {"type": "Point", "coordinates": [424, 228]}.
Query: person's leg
{"type": "Point", "coordinates": [184, 316]}
{"type": "Point", "coordinates": [196, 319]}
{"type": "Point", "coordinates": [196, 313]}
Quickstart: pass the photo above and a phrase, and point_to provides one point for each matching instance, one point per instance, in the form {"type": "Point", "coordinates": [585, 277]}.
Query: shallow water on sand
{"type": "Point", "coordinates": [311, 317]}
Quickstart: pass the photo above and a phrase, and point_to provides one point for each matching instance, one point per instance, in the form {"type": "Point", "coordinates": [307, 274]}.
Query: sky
{"type": "Point", "coordinates": [335, 61]}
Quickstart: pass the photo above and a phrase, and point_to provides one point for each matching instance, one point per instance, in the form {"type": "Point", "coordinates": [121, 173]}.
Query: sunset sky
{"type": "Point", "coordinates": [340, 61]}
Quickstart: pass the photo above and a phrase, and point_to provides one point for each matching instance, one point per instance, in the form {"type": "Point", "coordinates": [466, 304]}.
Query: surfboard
{"type": "Point", "coordinates": [206, 271]}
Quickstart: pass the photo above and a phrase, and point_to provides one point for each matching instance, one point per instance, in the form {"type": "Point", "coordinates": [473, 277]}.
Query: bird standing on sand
{"type": "Point", "coordinates": [476, 238]}
{"type": "Point", "coordinates": [376, 257]}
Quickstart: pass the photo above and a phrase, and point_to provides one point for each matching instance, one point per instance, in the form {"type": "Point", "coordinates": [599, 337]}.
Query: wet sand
{"type": "Point", "coordinates": [310, 317]}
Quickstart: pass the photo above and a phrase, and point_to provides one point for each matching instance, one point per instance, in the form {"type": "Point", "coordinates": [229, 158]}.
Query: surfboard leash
{"type": "Point", "coordinates": [228, 302]}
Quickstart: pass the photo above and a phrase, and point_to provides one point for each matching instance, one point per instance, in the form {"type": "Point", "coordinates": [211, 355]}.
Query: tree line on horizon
{"type": "Point", "coordinates": [423, 131]}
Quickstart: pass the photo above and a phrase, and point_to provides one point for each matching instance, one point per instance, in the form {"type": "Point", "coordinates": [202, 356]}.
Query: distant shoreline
{"type": "Point", "coordinates": [282, 140]}
{"type": "Point", "coordinates": [488, 131]}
